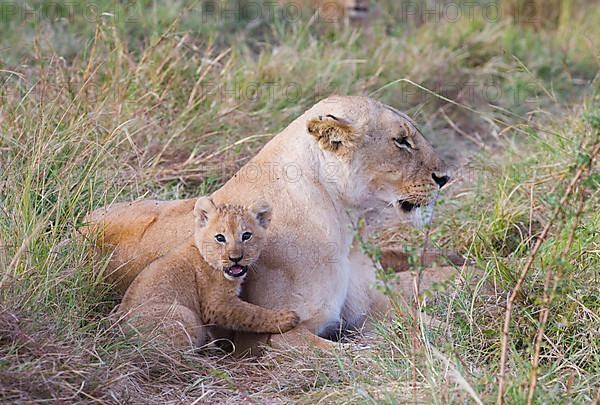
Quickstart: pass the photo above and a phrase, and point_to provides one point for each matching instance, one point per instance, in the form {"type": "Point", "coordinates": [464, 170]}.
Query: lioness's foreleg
{"type": "Point", "coordinates": [399, 261]}
{"type": "Point", "coordinates": [300, 337]}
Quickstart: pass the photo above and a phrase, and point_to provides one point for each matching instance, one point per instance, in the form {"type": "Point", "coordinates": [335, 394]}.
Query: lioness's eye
{"type": "Point", "coordinates": [403, 143]}
{"type": "Point", "coordinates": [246, 236]}
{"type": "Point", "coordinates": [220, 238]}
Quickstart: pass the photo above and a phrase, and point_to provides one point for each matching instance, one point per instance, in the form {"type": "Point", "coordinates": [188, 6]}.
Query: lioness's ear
{"type": "Point", "coordinates": [203, 209]}
{"type": "Point", "coordinates": [332, 133]}
{"type": "Point", "coordinates": [262, 212]}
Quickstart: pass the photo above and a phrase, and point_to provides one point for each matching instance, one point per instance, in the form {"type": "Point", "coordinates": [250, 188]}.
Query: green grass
{"type": "Point", "coordinates": [95, 113]}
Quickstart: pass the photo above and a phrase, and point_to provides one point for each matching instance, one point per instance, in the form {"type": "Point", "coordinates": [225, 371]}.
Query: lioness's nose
{"type": "Point", "coordinates": [440, 180]}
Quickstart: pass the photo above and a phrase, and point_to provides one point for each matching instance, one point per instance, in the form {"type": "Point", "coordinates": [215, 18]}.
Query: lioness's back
{"type": "Point", "coordinates": [138, 233]}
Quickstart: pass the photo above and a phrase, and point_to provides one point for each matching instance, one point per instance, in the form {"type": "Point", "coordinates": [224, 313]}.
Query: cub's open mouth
{"type": "Point", "coordinates": [407, 206]}
{"type": "Point", "coordinates": [236, 270]}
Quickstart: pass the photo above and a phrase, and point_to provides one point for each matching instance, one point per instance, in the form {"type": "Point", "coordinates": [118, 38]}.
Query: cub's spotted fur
{"type": "Point", "coordinates": [227, 242]}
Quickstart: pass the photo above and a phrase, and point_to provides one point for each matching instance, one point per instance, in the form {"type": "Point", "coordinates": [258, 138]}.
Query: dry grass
{"type": "Point", "coordinates": [160, 108]}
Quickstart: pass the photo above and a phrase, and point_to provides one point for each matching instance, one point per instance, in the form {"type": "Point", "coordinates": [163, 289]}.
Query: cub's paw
{"type": "Point", "coordinates": [288, 320]}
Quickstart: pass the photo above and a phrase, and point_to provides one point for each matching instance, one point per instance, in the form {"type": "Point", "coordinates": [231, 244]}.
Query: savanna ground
{"type": "Point", "coordinates": [122, 101]}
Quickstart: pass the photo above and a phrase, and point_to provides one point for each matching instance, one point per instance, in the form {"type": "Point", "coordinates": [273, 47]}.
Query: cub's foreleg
{"type": "Point", "coordinates": [233, 313]}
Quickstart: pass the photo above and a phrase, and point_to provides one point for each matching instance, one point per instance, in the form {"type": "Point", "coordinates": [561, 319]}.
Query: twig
{"type": "Point", "coordinates": [529, 263]}
{"type": "Point", "coordinates": [415, 312]}
{"type": "Point", "coordinates": [543, 319]}
{"type": "Point", "coordinates": [414, 337]}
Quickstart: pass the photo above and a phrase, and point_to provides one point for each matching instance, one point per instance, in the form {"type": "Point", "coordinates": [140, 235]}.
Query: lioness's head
{"type": "Point", "coordinates": [230, 237]}
{"type": "Point", "coordinates": [383, 162]}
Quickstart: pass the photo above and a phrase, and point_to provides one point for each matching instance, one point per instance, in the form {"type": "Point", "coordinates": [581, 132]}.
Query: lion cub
{"type": "Point", "coordinates": [227, 241]}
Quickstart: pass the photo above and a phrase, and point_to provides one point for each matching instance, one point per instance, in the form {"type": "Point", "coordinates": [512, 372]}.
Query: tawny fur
{"type": "Point", "coordinates": [184, 294]}
{"type": "Point", "coordinates": [319, 192]}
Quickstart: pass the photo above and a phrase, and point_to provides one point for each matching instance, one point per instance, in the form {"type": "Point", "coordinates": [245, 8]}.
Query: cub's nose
{"type": "Point", "coordinates": [440, 180]}
{"type": "Point", "coordinates": [236, 259]}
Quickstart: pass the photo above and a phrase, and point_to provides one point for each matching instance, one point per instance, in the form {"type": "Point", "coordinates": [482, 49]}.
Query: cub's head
{"type": "Point", "coordinates": [383, 165]}
{"type": "Point", "coordinates": [230, 237]}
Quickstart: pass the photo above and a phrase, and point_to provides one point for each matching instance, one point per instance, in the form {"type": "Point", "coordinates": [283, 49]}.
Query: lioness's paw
{"type": "Point", "coordinates": [288, 320]}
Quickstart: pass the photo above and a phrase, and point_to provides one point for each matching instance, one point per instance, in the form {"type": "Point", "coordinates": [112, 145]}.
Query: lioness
{"type": "Point", "coordinates": [344, 159]}
{"type": "Point", "coordinates": [198, 283]}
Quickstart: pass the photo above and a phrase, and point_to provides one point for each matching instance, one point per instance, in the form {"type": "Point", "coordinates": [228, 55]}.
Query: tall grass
{"type": "Point", "coordinates": [163, 107]}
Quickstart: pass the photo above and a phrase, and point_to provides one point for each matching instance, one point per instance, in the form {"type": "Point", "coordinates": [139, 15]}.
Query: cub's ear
{"type": "Point", "coordinates": [203, 209]}
{"type": "Point", "coordinates": [262, 212]}
{"type": "Point", "coordinates": [332, 133]}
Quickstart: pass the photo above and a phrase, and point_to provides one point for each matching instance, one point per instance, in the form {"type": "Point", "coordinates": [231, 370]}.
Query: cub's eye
{"type": "Point", "coordinates": [246, 236]}
{"type": "Point", "coordinates": [220, 238]}
{"type": "Point", "coordinates": [403, 143]}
